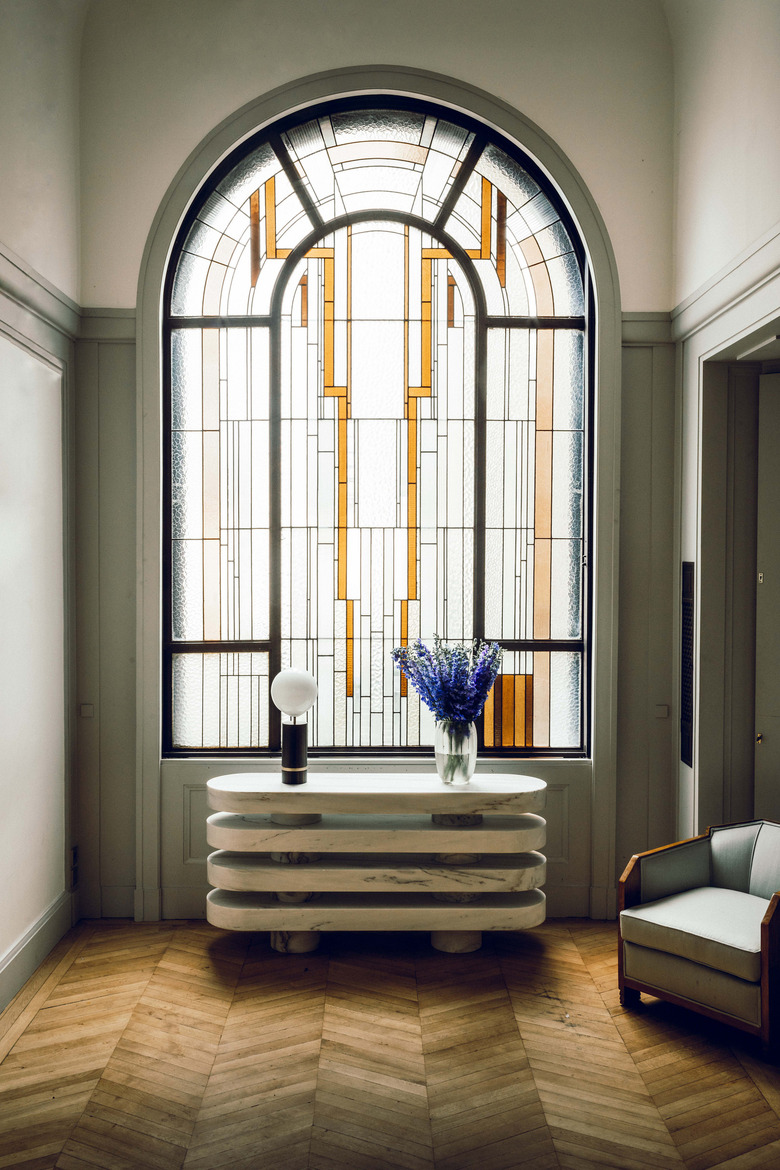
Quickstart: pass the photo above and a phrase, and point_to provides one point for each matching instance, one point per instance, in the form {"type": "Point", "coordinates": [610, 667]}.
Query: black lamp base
{"type": "Point", "coordinates": [294, 753]}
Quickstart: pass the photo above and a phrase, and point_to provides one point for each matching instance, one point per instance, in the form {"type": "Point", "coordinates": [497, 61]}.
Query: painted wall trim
{"type": "Point", "coordinates": [107, 325]}
{"type": "Point", "coordinates": [36, 294]}
{"type": "Point", "coordinates": [647, 329]}
{"type": "Point", "coordinates": [741, 278]}
{"type": "Point", "coordinates": [23, 959]}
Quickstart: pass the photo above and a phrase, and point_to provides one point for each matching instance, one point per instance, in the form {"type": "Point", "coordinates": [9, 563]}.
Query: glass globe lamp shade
{"type": "Point", "coordinates": [294, 692]}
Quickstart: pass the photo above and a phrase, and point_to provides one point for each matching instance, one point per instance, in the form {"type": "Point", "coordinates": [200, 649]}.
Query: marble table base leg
{"type": "Point", "coordinates": [295, 942]}
{"type": "Point", "coordinates": [456, 942]}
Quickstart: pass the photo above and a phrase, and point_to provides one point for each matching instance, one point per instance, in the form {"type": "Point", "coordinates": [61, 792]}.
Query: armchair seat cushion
{"type": "Point", "coordinates": [716, 927]}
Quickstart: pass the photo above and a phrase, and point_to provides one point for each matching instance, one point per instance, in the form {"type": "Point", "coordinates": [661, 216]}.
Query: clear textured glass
{"type": "Point", "coordinates": [565, 699]}
{"type": "Point", "coordinates": [188, 285]}
{"type": "Point", "coordinates": [362, 125]}
{"type": "Point", "coordinates": [508, 175]}
{"type": "Point", "coordinates": [187, 599]}
{"type": "Point", "coordinates": [567, 484]}
{"type": "Point", "coordinates": [566, 589]}
{"type": "Point", "coordinates": [569, 367]}
{"type": "Point", "coordinates": [187, 485]}
{"type": "Point", "coordinates": [220, 700]}
{"type": "Point", "coordinates": [566, 283]}
{"type": "Point", "coordinates": [186, 379]}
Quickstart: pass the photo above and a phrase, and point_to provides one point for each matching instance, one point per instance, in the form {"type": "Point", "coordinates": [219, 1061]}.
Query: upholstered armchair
{"type": "Point", "coordinates": [698, 927]}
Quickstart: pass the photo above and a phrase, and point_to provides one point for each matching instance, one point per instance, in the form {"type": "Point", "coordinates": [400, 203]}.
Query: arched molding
{"type": "Point", "coordinates": [467, 99]}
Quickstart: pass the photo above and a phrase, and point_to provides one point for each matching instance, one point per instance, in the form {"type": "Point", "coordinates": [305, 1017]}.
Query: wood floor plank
{"type": "Point", "coordinates": [178, 1046]}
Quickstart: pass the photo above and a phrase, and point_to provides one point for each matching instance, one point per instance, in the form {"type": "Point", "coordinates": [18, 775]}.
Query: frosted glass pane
{"type": "Point", "coordinates": [378, 474]}
{"type": "Point", "coordinates": [565, 699]}
{"type": "Point", "coordinates": [377, 369]}
{"type": "Point", "coordinates": [379, 187]}
{"type": "Point", "coordinates": [188, 700]}
{"type": "Point", "coordinates": [539, 213]}
{"type": "Point", "coordinates": [397, 126]}
{"type": "Point", "coordinates": [219, 212]}
{"type": "Point", "coordinates": [249, 174]}
{"type": "Point", "coordinates": [304, 140]}
{"type": "Point", "coordinates": [569, 365]}
{"type": "Point", "coordinates": [187, 597]}
{"type": "Point", "coordinates": [220, 700]}
{"type": "Point", "coordinates": [567, 484]}
{"type": "Point", "coordinates": [507, 175]}
{"type": "Point", "coordinates": [565, 607]}
{"type": "Point", "coordinates": [188, 286]}
{"type": "Point", "coordinates": [378, 274]}
{"type": "Point", "coordinates": [554, 240]}
{"type": "Point", "coordinates": [186, 379]}
{"type": "Point", "coordinates": [203, 240]}
{"type": "Point", "coordinates": [567, 286]}
{"type": "Point", "coordinates": [187, 485]}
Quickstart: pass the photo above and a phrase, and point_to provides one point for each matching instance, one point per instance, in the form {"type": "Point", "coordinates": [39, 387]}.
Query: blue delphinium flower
{"type": "Point", "coordinates": [453, 681]}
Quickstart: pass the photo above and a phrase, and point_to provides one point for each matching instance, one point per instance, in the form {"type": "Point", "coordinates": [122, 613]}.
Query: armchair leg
{"type": "Point", "coordinates": [629, 997]}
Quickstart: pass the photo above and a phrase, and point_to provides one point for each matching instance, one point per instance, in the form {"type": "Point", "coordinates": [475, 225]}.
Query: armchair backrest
{"type": "Point", "coordinates": [731, 855]}
{"type": "Point", "coordinates": [765, 870]}
{"type": "Point", "coordinates": [746, 857]}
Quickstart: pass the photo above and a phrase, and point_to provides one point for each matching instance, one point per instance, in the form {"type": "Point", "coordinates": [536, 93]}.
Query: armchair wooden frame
{"type": "Point", "coordinates": [768, 1032]}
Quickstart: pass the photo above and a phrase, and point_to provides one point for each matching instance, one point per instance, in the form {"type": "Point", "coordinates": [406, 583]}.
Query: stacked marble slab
{"type": "Point", "coordinates": [376, 852]}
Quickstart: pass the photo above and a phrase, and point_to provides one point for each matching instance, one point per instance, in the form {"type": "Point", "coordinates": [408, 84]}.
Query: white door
{"type": "Point", "coordinates": [767, 773]}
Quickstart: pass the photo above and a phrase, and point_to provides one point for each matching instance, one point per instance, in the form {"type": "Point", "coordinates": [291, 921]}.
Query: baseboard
{"type": "Point", "coordinates": [23, 959]}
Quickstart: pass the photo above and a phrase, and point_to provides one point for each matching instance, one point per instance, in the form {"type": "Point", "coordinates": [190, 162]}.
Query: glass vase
{"type": "Point", "coordinates": [455, 750]}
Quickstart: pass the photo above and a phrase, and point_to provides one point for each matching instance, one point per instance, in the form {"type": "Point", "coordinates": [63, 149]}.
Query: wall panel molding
{"type": "Point", "coordinates": [747, 273]}
{"type": "Point", "coordinates": [107, 325]}
{"type": "Point", "coordinates": [36, 295]}
{"type": "Point", "coordinates": [647, 329]}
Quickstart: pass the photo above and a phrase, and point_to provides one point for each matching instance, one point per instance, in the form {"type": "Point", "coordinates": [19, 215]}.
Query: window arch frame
{"type": "Point", "coordinates": [484, 134]}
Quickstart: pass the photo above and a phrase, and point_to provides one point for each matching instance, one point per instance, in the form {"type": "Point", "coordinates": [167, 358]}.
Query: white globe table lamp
{"type": "Point", "coordinates": [294, 692]}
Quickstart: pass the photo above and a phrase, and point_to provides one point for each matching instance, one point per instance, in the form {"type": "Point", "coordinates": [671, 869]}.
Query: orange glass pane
{"type": "Point", "coordinates": [543, 486]}
{"type": "Point", "coordinates": [542, 559]}
{"type": "Point", "coordinates": [507, 710]}
{"type": "Point", "coordinates": [545, 341]}
{"type": "Point", "coordinates": [488, 714]}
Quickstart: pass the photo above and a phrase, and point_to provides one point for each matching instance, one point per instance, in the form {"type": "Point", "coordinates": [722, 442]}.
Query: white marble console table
{"type": "Point", "coordinates": [377, 851]}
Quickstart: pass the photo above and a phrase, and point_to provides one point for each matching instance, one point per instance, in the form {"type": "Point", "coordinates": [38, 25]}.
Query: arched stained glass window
{"type": "Point", "coordinates": [377, 414]}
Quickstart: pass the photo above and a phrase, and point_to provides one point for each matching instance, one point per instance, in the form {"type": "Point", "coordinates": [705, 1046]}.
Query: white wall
{"type": "Point", "coordinates": [157, 77]}
{"type": "Point", "coordinates": [32, 633]}
{"type": "Point", "coordinates": [727, 155]}
{"type": "Point", "coordinates": [40, 47]}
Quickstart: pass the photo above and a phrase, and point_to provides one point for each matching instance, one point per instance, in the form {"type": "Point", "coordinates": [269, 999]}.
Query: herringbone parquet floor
{"type": "Point", "coordinates": [176, 1045]}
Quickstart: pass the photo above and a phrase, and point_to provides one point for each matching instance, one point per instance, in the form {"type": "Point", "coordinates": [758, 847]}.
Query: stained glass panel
{"type": "Point", "coordinates": [329, 470]}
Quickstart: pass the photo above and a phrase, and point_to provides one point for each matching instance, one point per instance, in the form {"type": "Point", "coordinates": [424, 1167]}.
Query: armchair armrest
{"type": "Point", "coordinates": [667, 870]}
{"type": "Point", "coordinates": [770, 958]}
